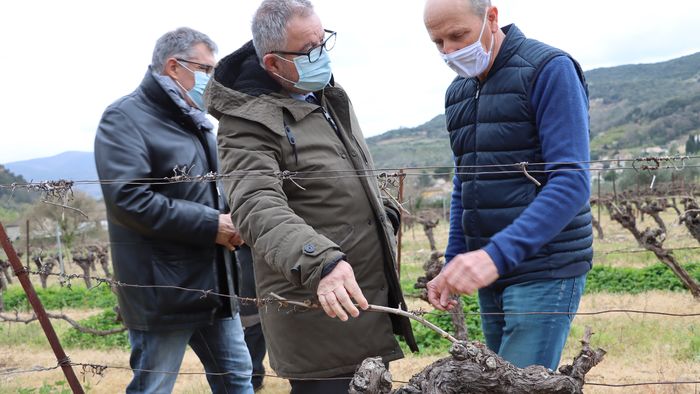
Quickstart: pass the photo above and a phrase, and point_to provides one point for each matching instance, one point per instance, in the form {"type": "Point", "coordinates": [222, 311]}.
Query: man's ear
{"type": "Point", "coordinates": [493, 19]}
{"type": "Point", "coordinates": [271, 63]}
{"type": "Point", "coordinates": [170, 68]}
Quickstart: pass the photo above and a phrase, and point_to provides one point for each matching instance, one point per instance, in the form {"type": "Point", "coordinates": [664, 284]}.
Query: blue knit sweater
{"type": "Point", "coordinates": [561, 107]}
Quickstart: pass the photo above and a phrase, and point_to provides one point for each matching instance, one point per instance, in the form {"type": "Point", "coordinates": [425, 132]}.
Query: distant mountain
{"type": "Point", "coordinates": [76, 166]}
{"type": "Point", "coordinates": [632, 107]}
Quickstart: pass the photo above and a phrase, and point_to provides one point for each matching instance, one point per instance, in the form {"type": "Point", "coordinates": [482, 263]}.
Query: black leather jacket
{"type": "Point", "coordinates": [163, 233]}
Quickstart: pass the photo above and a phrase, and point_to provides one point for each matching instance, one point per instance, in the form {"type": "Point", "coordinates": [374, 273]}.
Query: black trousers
{"type": "Point", "coordinates": [255, 341]}
{"type": "Point", "coordinates": [254, 338]}
{"type": "Point", "coordinates": [339, 386]}
{"type": "Point", "coordinates": [335, 386]}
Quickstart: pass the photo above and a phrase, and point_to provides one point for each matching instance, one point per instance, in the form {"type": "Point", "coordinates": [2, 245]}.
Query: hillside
{"type": "Point", "coordinates": [8, 196]}
{"type": "Point", "coordinates": [12, 201]}
{"type": "Point", "coordinates": [644, 105]}
{"type": "Point", "coordinates": [67, 165]}
{"type": "Point", "coordinates": [632, 107]}
{"type": "Point", "coordinates": [425, 145]}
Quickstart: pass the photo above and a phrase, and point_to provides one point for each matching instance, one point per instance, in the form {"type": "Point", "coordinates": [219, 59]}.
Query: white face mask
{"type": "Point", "coordinates": [471, 60]}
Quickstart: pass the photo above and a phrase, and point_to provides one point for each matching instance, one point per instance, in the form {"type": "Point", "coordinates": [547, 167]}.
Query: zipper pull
{"type": "Point", "coordinates": [478, 91]}
{"type": "Point", "coordinates": [329, 119]}
{"type": "Point", "coordinates": [292, 142]}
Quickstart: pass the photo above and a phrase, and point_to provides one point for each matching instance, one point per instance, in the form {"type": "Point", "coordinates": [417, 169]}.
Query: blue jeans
{"type": "Point", "coordinates": [526, 340]}
{"type": "Point", "coordinates": [220, 348]}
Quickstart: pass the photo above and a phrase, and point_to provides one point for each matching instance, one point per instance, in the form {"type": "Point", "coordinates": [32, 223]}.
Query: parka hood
{"type": "Point", "coordinates": [241, 71]}
{"type": "Point", "coordinates": [242, 88]}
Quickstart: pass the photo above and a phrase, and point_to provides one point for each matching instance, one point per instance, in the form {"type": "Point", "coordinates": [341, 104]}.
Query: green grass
{"type": "Point", "coordinates": [106, 320]}
{"type": "Point", "coordinates": [29, 334]}
{"type": "Point", "coordinates": [690, 349]}
{"type": "Point", "coordinates": [609, 137]}
{"type": "Point", "coordinates": [57, 387]}
{"type": "Point", "coordinates": [637, 280]}
{"type": "Point", "coordinates": [33, 336]}
{"type": "Point", "coordinates": [55, 298]}
{"type": "Point", "coordinates": [637, 338]}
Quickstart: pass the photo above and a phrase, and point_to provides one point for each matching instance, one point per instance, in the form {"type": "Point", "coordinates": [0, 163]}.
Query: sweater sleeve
{"type": "Point", "coordinates": [560, 105]}
{"type": "Point", "coordinates": [455, 242]}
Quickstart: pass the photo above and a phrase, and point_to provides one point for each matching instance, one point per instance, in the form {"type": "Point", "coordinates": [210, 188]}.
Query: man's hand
{"type": "Point", "coordinates": [228, 235]}
{"type": "Point", "coordinates": [335, 292]}
{"type": "Point", "coordinates": [465, 274]}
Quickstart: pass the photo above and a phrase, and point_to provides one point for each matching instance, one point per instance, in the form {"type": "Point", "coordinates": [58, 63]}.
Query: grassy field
{"type": "Point", "coordinates": [641, 348]}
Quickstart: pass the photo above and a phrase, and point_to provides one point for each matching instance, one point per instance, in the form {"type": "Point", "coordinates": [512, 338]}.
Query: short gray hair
{"type": "Point", "coordinates": [479, 6]}
{"type": "Point", "coordinates": [270, 23]}
{"type": "Point", "coordinates": [178, 43]}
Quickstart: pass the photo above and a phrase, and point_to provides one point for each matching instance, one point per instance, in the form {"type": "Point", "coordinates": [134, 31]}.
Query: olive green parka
{"type": "Point", "coordinates": [303, 193]}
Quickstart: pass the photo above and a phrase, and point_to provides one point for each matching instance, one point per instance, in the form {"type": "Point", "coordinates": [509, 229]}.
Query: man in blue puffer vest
{"type": "Point", "coordinates": [520, 222]}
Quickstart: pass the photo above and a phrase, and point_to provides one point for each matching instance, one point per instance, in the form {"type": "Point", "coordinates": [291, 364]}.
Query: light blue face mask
{"type": "Point", "coordinates": [312, 76]}
{"type": "Point", "coordinates": [197, 92]}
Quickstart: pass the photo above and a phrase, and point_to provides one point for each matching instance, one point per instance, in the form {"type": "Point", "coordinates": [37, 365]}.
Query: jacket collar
{"type": "Point", "coordinates": [514, 38]}
{"type": "Point", "coordinates": [163, 92]}
{"type": "Point", "coordinates": [242, 88]}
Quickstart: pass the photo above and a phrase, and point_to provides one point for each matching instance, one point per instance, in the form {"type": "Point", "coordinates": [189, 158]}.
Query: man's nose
{"type": "Point", "coordinates": [452, 47]}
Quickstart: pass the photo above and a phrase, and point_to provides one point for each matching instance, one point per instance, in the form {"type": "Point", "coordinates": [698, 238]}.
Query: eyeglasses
{"type": "Point", "coordinates": [314, 53]}
{"type": "Point", "coordinates": [207, 69]}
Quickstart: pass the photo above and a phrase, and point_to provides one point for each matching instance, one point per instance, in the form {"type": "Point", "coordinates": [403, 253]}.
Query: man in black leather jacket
{"type": "Point", "coordinates": [175, 232]}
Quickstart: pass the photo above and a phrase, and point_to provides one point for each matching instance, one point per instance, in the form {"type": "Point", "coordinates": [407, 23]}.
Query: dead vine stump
{"type": "Point", "coordinates": [652, 240]}
{"type": "Point", "coordinates": [432, 268]}
{"type": "Point", "coordinates": [3, 287]}
{"type": "Point", "coordinates": [473, 368]}
{"type": "Point", "coordinates": [101, 254]}
{"type": "Point", "coordinates": [44, 266]}
{"type": "Point", "coordinates": [85, 263]}
{"type": "Point", "coordinates": [6, 271]}
{"type": "Point", "coordinates": [598, 227]}
{"type": "Point", "coordinates": [691, 218]}
{"type": "Point", "coordinates": [654, 209]}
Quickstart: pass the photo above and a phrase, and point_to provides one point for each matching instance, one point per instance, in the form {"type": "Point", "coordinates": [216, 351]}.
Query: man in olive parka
{"type": "Point", "coordinates": [305, 197]}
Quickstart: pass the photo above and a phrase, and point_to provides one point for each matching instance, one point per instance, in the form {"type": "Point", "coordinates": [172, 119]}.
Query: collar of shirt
{"type": "Point", "coordinates": [301, 97]}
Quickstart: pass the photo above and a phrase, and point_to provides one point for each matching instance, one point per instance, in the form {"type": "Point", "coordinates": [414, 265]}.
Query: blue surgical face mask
{"type": "Point", "coordinates": [197, 92]}
{"type": "Point", "coordinates": [312, 76]}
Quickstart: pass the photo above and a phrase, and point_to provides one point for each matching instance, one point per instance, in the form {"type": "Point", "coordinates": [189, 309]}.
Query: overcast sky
{"type": "Point", "coordinates": [63, 62]}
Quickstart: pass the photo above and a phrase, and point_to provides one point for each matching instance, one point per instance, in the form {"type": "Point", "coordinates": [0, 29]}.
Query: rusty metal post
{"type": "Point", "coordinates": [402, 176]}
{"type": "Point", "coordinates": [23, 276]}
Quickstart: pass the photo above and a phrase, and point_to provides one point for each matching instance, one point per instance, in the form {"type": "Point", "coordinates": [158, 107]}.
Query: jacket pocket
{"type": "Point", "coordinates": [339, 234]}
{"type": "Point", "coordinates": [191, 272]}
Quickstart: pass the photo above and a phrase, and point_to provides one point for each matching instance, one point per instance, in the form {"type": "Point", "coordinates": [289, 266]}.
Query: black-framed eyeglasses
{"type": "Point", "coordinates": [207, 69]}
{"type": "Point", "coordinates": [313, 55]}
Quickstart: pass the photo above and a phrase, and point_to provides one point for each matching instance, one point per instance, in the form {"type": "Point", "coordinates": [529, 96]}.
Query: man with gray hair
{"type": "Point", "coordinates": [168, 236]}
{"type": "Point", "coordinates": [522, 239]}
{"type": "Point", "coordinates": [323, 233]}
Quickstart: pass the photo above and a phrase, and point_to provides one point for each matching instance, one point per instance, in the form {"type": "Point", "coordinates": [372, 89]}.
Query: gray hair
{"type": "Point", "coordinates": [270, 23]}
{"type": "Point", "coordinates": [178, 43]}
{"type": "Point", "coordinates": [479, 6]}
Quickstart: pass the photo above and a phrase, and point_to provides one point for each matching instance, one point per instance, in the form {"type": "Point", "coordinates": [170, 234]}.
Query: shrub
{"type": "Point", "coordinates": [106, 320]}
{"type": "Point", "coordinates": [56, 297]}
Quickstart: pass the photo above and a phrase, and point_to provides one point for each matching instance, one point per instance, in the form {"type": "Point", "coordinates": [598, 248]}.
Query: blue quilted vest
{"type": "Point", "coordinates": [492, 124]}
